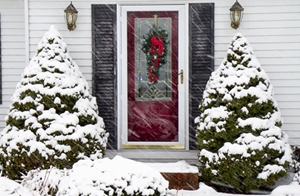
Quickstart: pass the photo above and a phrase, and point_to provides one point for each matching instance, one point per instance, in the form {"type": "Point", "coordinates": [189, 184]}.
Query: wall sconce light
{"type": "Point", "coordinates": [71, 16]}
{"type": "Point", "coordinates": [236, 14]}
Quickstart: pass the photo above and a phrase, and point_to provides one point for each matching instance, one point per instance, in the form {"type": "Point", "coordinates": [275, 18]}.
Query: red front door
{"type": "Point", "coordinates": [152, 106]}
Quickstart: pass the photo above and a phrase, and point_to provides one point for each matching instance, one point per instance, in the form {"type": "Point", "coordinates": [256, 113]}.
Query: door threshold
{"type": "Point", "coordinates": [156, 155]}
{"type": "Point", "coordinates": [142, 146]}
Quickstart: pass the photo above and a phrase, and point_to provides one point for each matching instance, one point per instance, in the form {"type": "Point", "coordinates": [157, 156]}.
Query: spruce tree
{"type": "Point", "coordinates": [239, 128]}
{"type": "Point", "coordinates": [53, 119]}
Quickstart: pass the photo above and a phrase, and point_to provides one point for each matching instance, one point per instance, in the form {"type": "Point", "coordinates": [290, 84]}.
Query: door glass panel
{"type": "Point", "coordinates": [162, 89]}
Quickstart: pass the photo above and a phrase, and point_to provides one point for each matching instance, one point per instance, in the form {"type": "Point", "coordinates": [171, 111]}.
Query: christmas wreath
{"type": "Point", "coordinates": [154, 47]}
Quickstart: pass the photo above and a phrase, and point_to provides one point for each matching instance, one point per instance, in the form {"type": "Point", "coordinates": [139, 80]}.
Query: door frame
{"type": "Point", "coordinates": [183, 64]}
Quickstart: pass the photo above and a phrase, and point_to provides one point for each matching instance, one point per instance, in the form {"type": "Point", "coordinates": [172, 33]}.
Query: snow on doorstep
{"type": "Point", "coordinates": [178, 167]}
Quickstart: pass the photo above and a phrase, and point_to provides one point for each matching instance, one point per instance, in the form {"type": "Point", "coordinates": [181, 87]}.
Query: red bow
{"type": "Point", "coordinates": [157, 43]}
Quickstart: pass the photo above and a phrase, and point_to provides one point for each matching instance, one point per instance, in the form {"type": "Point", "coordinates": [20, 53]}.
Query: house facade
{"type": "Point", "coordinates": [155, 121]}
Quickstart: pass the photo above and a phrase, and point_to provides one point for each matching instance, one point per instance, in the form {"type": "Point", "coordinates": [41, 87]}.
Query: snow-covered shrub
{"type": "Point", "coordinates": [296, 163]}
{"type": "Point", "coordinates": [53, 119]}
{"type": "Point", "coordinates": [239, 129]}
{"type": "Point", "coordinates": [118, 176]}
{"type": "Point", "coordinates": [297, 176]}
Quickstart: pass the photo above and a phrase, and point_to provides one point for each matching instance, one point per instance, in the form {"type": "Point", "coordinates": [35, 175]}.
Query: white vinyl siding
{"type": "Point", "coordinates": [272, 28]}
{"type": "Point", "coordinates": [13, 50]}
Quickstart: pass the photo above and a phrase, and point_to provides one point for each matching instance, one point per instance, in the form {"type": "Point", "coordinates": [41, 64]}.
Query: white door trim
{"type": "Point", "coordinates": [183, 107]}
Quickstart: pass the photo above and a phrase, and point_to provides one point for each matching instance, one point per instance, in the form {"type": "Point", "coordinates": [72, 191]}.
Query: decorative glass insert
{"type": "Point", "coordinates": [144, 89]}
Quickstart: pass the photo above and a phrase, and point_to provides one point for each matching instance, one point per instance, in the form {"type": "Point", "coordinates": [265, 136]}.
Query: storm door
{"type": "Point", "coordinates": [152, 80]}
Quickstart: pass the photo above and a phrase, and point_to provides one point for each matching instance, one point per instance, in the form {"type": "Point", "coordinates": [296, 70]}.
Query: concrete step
{"type": "Point", "coordinates": [181, 175]}
{"type": "Point", "coordinates": [179, 167]}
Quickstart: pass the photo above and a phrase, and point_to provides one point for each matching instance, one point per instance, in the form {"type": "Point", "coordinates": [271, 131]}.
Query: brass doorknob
{"type": "Point", "coordinates": [181, 76]}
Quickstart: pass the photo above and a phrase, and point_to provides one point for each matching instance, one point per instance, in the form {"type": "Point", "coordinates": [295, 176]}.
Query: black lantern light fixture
{"type": "Point", "coordinates": [236, 14]}
{"type": "Point", "coordinates": [71, 16]}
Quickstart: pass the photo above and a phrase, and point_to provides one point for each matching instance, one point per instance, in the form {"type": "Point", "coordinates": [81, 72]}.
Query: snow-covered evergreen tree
{"type": "Point", "coordinates": [239, 129]}
{"type": "Point", "coordinates": [53, 119]}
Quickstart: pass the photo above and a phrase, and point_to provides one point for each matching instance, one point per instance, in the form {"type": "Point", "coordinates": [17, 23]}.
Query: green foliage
{"type": "Point", "coordinates": [238, 130]}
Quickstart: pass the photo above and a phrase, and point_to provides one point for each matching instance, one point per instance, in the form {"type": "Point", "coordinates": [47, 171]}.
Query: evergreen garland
{"type": "Point", "coordinates": [155, 49]}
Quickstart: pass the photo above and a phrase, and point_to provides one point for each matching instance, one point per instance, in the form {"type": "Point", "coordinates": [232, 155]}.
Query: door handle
{"type": "Point", "coordinates": [181, 76]}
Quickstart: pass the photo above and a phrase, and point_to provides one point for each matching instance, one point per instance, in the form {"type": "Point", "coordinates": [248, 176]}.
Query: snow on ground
{"type": "Point", "coordinates": [288, 190]}
{"type": "Point", "coordinates": [116, 168]}
{"type": "Point", "coordinates": [11, 188]}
